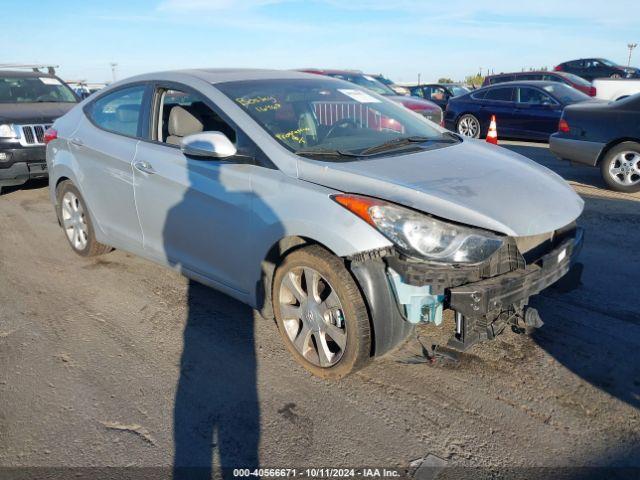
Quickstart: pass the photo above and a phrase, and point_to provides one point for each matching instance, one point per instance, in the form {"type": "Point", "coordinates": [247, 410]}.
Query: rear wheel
{"type": "Point", "coordinates": [76, 222]}
{"type": "Point", "coordinates": [321, 314]}
{"type": "Point", "coordinates": [469, 126]}
{"type": "Point", "coordinates": [620, 167]}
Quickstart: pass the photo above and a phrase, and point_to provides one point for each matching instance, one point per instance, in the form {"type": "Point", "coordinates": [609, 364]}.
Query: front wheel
{"type": "Point", "coordinates": [321, 314]}
{"type": "Point", "coordinates": [620, 167]}
{"type": "Point", "coordinates": [469, 126]}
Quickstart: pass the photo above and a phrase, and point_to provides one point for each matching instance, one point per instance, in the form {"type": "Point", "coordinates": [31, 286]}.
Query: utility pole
{"type": "Point", "coordinates": [630, 46]}
{"type": "Point", "coordinates": [418, 79]}
{"type": "Point", "coordinates": [113, 70]}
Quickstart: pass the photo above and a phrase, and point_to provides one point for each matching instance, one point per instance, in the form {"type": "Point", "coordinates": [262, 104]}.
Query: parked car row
{"type": "Point", "coordinates": [425, 108]}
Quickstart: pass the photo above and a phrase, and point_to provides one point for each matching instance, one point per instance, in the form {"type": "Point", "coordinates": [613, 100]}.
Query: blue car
{"type": "Point", "coordinates": [524, 110]}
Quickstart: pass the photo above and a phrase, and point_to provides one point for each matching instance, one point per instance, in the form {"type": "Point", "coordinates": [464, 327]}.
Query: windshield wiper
{"type": "Point", "coordinates": [396, 142]}
{"type": "Point", "coordinates": [325, 153]}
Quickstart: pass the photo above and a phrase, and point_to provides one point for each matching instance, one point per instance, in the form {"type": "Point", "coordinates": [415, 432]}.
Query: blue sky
{"type": "Point", "coordinates": [399, 38]}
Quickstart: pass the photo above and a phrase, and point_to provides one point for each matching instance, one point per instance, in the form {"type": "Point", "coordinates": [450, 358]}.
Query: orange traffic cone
{"type": "Point", "coordinates": [492, 134]}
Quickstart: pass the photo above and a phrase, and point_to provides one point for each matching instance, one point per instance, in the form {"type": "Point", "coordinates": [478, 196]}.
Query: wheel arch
{"type": "Point", "coordinates": [612, 144]}
{"type": "Point", "coordinates": [270, 262]}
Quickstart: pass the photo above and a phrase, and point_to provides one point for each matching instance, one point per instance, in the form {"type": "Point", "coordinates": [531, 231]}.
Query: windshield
{"type": "Point", "coordinates": [566, 94]}
{"type": "Point", "coordinates": [458, 90]}
{"type": "Point", "coordinates": [366, 81]}
{"type": "Point", "coordinates": [34, 89]}
{"type": "Point", "coordinates": [324, 117]}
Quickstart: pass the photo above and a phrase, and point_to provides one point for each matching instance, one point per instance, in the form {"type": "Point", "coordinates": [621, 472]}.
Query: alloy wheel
{"type": "Point", "coordinates": [313, 316]}
{"type": "Point", "coordinates": [625, 168]}
{"type": "Point", "coordinates": [469, 126]}
{"type": "Point", "coordinates": [74, 222]}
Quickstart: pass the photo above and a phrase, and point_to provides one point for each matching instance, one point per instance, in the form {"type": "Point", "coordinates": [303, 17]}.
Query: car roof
{"type": "Point", "coordinates": [23, 74]}
{"type": "Point", "coordinates": [333, 71]}
{"type": "Point", "coordinates": [545, 72]}
{"type": "Point", "coordinates": [440, 84]}
{"type": "Point", "coordinates": [530, 83]}
{"type": "Point", "coordinates": [220, 75]}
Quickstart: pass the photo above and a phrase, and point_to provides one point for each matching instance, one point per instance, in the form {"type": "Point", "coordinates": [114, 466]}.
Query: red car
{"type": "Point", "coordinates": [427, 109]}
{"type": "Point", "coordinates": [567, 78]}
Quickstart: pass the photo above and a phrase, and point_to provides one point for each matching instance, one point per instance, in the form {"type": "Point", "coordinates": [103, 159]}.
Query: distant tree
{"type": "Point", "coordinates": [445, 80]}
{"type": "Point", "coordinates": [475, 80]}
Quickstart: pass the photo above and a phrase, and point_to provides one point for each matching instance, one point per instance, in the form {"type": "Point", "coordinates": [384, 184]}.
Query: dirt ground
{"type": "Point", "coordinates": [115, 361]}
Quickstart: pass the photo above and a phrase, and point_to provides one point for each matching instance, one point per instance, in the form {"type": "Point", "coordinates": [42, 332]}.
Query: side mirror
{"type": "Point", "coordinates": [207, 145]}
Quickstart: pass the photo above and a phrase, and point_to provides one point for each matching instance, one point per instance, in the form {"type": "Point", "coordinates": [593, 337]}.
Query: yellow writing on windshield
{"type": "Point", "coordinates": [294, 135]}
{"type": "Point", "coordinates": [261, 104]}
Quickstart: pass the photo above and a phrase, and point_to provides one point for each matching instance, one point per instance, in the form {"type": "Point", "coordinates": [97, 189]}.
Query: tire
{"type": "Point", "coordinates": [74, 215]}
{"type": "Point", "coordinates": [318, 327]}
{"type": "Point", "coordinates": [624, 159]}
{"type": "Point", "coordinates": [615, 76]}
{"type": "Point", "coordinates": [469, 126]}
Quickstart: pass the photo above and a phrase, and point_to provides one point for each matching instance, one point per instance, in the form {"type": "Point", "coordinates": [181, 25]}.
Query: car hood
{"type": "Point", "coordinates": [44, 112]}
{"type": "Point", "coordinates": [471, 183]}
{"type": "Point", "coordinates": [413, 103]}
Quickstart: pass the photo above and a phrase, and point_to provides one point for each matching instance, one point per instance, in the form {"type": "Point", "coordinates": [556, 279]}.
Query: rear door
{"type": "Point", "coordinates": [104, 145]}
{"type": "Point", "coordinates": [498, 101]}
{"type": "Point", "coordinates": [537, 114]}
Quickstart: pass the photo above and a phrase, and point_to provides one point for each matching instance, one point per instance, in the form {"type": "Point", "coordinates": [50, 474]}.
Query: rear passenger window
{"type": "Point", "coordinates": [119, 112]}
{"type": "Point", "coordinates": [500, 94]}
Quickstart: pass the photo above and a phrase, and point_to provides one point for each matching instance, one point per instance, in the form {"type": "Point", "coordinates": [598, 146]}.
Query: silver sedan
{"type": "Point", "coordinates": [344, 216]}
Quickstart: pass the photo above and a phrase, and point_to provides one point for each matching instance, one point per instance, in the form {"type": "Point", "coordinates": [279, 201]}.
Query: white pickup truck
{"type": "Point", "coordinates": [615, 88]}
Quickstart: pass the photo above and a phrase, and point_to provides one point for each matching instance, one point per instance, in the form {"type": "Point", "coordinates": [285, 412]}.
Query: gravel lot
{"type": "Point", "coordinates": [116, 361]}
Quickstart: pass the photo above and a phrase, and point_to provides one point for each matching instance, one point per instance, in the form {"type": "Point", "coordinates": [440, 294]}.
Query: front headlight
{"type": "Point", "coordinates": [6, 131]}
{"type": "Point", "coordinates": [421, 235]}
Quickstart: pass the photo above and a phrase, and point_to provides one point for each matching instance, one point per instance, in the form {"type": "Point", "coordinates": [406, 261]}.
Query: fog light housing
{"type": "Point", "coordinates": [4, 156]}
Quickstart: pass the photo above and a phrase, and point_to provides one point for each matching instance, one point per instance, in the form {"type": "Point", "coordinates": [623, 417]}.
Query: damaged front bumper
{"type": "Point", "coordinates": [402, 292]}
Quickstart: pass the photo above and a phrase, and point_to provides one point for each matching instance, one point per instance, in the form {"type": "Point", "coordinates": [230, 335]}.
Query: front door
{"type": "Point", "coordinates": [196, 214]}
{"type": "Point", "coordinates": [537, 114]}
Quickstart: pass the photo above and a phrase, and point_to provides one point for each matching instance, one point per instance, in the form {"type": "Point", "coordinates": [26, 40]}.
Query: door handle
{"type": "Point", "coordinates": [144, 167]}
{"type": "Point", "coordinates": [77, 142]}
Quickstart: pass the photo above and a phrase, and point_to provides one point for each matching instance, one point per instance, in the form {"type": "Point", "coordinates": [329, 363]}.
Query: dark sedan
{"type": "Point", "coordinates": [592, 68]}
{"type": "Point", "coordinates": [605, 135]}
{"type": "Point", "coordinates": [523, 110]}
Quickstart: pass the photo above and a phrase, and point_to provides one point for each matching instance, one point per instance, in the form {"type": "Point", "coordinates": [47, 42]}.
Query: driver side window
{"type": "Point", "coordinates": [533, 96]}
{"type": "Point", "coordinates": [182, 113]}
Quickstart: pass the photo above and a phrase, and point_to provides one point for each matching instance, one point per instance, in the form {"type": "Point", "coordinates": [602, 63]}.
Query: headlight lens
{"type": "Point", "coordinates": [6, 131]}
{"type": "Point", "coordinates": [419, 234]}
